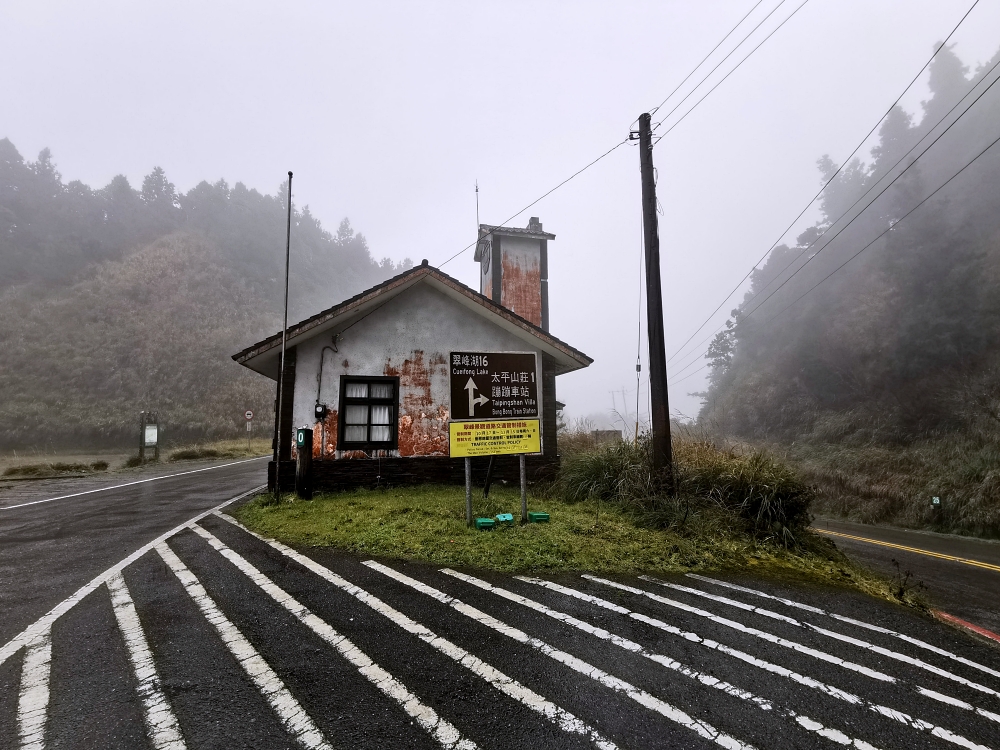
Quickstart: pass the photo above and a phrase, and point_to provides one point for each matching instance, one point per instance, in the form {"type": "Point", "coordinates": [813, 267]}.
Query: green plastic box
{"type": "Point", "coordinates": [538, 517]}
{"type": "Point", "coordinates": [485, 524]}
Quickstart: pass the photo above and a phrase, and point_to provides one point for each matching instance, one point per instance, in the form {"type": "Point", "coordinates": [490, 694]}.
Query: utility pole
{"type": "Point", "coordinates": [662, 455]}
{"type": "Point", "coordinates": [281, 365]}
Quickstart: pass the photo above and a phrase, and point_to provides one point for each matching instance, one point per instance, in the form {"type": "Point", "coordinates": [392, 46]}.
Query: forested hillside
{"type": "Point", "coordinates": [880, 328]}
{"type": "Point", "coordinates": [118, 299]}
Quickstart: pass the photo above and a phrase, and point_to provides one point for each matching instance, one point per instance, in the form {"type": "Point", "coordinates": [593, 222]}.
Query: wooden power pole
{"type": "Point", "coordinates": [662, 454]}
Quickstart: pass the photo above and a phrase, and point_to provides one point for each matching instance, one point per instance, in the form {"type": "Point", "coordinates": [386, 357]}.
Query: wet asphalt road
{"type": "Point", "coordinates": [218, 639]}
{"type": "Point", "coordinates": [967, 591]}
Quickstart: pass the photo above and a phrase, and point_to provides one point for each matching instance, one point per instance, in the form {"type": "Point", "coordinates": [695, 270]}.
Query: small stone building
{"type": "Point", "coordinates": [370, 375]}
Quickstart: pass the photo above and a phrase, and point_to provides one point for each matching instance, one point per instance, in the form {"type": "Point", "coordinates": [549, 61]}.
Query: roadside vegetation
{"type": "Point", "coordinates": [55, 469]}
{"type": "Point", "coordinates": [733, 511]}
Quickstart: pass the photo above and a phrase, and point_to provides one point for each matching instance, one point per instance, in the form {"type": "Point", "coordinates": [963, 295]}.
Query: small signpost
{"type": "Point", "coordinates": [249, 417]}
{"type": "Point", "coordinates": [494, 412]}
{"type": "Point", "coordinates": [149, 435]}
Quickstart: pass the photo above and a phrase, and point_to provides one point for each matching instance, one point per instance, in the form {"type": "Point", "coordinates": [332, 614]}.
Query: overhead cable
{"type": "Point", "coordinates": [827, 183]}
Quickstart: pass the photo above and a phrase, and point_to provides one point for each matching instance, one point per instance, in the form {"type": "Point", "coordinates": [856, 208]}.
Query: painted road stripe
{"type": "Point", "coordinates": [506, 685]}
{"type": "Point", "coordinates": [809, 682]}
{"type": "Point", "coordinates": [705, 679]}
{"type": "Point", "coordinates": [850, 620]}
{"type": "Point", "coordinates": [291, 714]}
{"type": "Point", "coordinates": [44, 623]}
{"type": "Point", "coordinates": [913, 662]}
{"type": "Point", "coordinates": [161, 724]}
{"type": "Point", "coordinates": [762, 634]}
{"type": "Point", "coordinates": [33, 697]}
{"type": "Point", "coordinates": [130, 484]}
{"type": "Point", "coordinates": [642, 697]}
{"type": "Point", "coordinates": [442, 731]}
{"type": "Point", "coordinates": [940, 555]}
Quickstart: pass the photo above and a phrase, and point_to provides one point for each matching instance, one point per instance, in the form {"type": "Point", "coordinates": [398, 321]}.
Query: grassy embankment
{"type": "Point", "coordinates": [894, 484]}
{"type": "Point", "coordinates": [733, 511]}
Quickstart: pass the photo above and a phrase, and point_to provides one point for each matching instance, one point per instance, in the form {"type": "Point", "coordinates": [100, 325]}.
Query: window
{"type": "Point", "coordinates": [368, 408]}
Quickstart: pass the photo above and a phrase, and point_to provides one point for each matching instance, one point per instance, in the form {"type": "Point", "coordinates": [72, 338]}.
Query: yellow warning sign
{"type": "Point", "coordinates": [494, 438]}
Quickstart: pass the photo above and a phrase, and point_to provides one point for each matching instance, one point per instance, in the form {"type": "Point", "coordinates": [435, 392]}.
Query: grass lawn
{"type": "Point", "coordinates": [428, 523]}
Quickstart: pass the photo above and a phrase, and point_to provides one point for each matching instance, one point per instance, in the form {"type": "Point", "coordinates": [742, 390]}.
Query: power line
{"type": "Point", "coordinates": [872, 201]}
{"type": "Point", "coordinates": [872, 242]}
{"type": "Point", "coordinates": [545, 195]}
{"type": "Point", "coordinates": [728, 55]}
{"type": "Point", "coordinates": [723, 79]}
{"type": "Point", "coordinates": [832, 178]}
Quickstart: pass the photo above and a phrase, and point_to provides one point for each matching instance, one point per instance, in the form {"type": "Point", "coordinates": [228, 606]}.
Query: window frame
{"type": "Point", "coordinates": [393, 404]}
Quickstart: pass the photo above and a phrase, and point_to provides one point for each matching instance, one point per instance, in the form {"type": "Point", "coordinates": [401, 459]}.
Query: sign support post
{"type": "Point", "coordinates": [524, 490]}
{"type": "Point", "coordinates": [142, 437]}
{"type": "Point", "coordinates": [468, 491]}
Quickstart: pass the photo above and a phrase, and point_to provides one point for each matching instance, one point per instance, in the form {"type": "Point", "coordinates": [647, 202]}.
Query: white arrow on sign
{"type": "Point", "coordinates": [473, 401]}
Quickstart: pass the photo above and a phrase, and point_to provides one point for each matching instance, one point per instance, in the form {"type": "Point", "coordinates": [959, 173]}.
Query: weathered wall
{"type": "Point", "coordinates": [409, 338]}
{"type": "Point", "coordinates": [521, 278]}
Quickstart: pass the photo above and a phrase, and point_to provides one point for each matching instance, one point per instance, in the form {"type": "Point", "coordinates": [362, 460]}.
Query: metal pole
{"type": "Point", "coordinates": [661, 451]}
{"type": "Point", "coordinates": [524, 490]}
{"type": "Point", "coordinates": [468, 490]}
{"type": "Point", "coordinates": [142, 437]}
{"type": "Point", "coordinates": [284, 331]}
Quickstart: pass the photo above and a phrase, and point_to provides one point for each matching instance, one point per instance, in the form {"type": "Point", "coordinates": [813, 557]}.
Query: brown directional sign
{"type": "Point", "coordinates": [493, 385]}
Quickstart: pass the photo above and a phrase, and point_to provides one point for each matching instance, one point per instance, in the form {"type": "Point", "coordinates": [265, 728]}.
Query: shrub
{"type": "Point", "coordinates": [132, 462]}
{"type": "Point", "coordinates": [99, 466]}
{"type": "Point", "coordinates": [188, 454]}
{"type": "Point", "coordinates": [765, 495]}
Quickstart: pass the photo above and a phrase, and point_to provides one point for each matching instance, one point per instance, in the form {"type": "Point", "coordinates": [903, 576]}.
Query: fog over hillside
{"type": "Point", "coordinates": [121, 299]}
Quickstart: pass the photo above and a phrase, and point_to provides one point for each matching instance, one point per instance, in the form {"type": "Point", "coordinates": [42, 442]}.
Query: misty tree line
{"type": "Point", "coordinates": [118, 299]}
{"type": "Point", "coordinates": [904, 340]}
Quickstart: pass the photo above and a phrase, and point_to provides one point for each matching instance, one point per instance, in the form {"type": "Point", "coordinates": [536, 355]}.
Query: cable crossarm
{"type": "Point", "coordinates": [545, 195]}
{"type": "Point", "coordinates": [710, 53]}
{"type": "Point", "coordinates": [723, 79]}
{"type": "Point", "coordinates": [880, 193]}
{"type": "Point", "coordinates": [707, 75]}
{"type": "Point", "coordinates": [831, 179]}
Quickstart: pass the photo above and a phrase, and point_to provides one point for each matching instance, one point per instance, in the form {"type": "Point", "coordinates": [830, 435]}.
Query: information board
{"type": "Point", "coordinates": [494, 438]}
{"type": "Point", "coordinates": [493, 385]}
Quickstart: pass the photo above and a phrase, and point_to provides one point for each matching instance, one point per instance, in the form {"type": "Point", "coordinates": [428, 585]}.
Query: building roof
{"type": "Point", "coordinates": [263, 356]}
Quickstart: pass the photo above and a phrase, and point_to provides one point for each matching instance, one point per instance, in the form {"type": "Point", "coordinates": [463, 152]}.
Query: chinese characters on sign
{"type": "Point", "coordinates": [494, 438]}
{"type": "Point", "coordinates": [497, 385]}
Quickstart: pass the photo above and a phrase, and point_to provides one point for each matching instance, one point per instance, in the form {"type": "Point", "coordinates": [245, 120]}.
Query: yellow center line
{"type": "Point", "coordinates": [965, 560]}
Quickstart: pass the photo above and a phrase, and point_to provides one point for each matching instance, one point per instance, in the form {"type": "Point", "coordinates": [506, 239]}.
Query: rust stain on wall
{"type": "Point", "coordinates": [329, 425]}
{"type": "Point", "coordinates": [521, 289]}
{"type": "Point", "coordinates": [423, 425]}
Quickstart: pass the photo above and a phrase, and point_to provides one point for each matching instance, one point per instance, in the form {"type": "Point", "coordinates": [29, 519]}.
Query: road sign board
{"type": "Point", "coordinates": [493, 385]}
{"type": "Point", "coordinates": [248, 415]}
{"type": "Point", "coordinates": [494, 438]}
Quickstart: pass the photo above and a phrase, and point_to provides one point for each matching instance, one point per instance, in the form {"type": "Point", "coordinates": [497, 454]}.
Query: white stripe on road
{"type": "Point", "coordinates": [291, 714]}
{"type": "Point", "coordinates": [161, 724]}
{"type": "Point", "coordinates": [913, 662]}
{"type": "Point", "coordinates": [444, 732]}
{"type": "Point", "coordinates": [762, 634]}
{"type": "Point", "coordinates": [507, 685]}
{"type": "Point", "coordinates": [33, 697]}
{"type": "Point", "coordinates": [130, 484]}
{"type": "Point", "coordinates": [629, 645]}
{"type": "Point", "coordinates": [642, 697]}
{"type": "Point", "coordinates": [44, 623]}
{"type": "Point", "coordinates": [850, 620]}
{"type": "Point", "coordinates": [810, 682]}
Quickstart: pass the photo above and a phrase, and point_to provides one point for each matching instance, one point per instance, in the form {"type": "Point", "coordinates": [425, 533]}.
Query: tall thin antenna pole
{"type": "Point", "coordinates": [477, 207]}
{"type": "Point", "coordinates": [284, 332]}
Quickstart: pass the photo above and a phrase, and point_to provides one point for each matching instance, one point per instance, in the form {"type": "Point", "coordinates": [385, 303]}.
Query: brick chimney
{"type": "Point", "coordinates": [514, 269]}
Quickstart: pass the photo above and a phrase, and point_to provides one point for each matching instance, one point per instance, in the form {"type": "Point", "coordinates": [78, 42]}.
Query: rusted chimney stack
{"type": "Point", "coordinates": [514, 269]}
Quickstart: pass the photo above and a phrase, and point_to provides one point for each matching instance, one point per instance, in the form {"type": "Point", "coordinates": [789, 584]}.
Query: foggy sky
{"type": "Point", "coordinates": [388, 113]}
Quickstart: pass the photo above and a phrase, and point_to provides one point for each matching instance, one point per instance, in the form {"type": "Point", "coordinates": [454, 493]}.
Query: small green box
{"type": "Point", "coordinates": [538, 517]}
{"type": "Point", "coordinates": [485, 524]}
{"type": "Point", "coordinates": [505, 519]}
